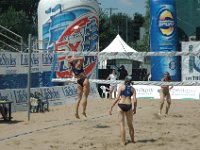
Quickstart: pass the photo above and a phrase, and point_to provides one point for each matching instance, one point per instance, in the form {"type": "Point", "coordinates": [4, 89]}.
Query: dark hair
{"type": "Point", "coordinates": [168, 76]}
{"type": "Point", "coordinates": [128, 80]}
{"type": "Point", "coordinates": [72, 63]}
{"type": "Point", "coordinates": [122, 67]}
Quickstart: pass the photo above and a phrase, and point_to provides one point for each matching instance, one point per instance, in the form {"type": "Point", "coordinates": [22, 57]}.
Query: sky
{"type": "Point", "coordinates": [123, 6]}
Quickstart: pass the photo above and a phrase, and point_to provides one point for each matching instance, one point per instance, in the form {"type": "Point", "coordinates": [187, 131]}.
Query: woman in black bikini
{"type": "Point", "coordinates": [127, 104]}
{"type": "Point", "coordinates": [83, 86]}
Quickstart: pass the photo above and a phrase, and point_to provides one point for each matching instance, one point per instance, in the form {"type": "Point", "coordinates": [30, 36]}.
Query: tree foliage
{"type": "Point", "coordinates": [16, 21]}
{"type": "Point", "coordinates": [28, 7]}
{"type": "Point", "coordinates": [136, 24]}
{"type": "Point", "coordinates": [106, 34]}
{"type": "Point", "coordinates": [127, 27]}
{"type": "Point", "coordinates": [146, 39]}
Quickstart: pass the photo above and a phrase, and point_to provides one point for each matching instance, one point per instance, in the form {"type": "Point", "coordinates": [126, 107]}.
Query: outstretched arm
{"type": "Point", "coordinates": [116, 100]}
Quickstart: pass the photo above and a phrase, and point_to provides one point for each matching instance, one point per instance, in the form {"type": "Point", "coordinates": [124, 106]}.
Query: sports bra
{"type": "Point", "coordinates": [127, 91]}
{"type": "Point", "coordinates": [77, 71]}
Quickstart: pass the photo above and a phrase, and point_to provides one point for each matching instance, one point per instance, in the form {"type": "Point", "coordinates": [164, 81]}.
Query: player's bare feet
{"type": "Point", "coordinates": [77, 116]}
{"type": "Point", "coordinates": [122, 143]}
{"type": "Point", "coordinates": [84, 114]}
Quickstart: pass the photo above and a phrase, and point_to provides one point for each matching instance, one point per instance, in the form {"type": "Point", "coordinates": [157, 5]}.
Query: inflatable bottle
{"type": "Point", "coordinates": [69, 25]}
{"type": "Point", "coordinates": [163, 37]}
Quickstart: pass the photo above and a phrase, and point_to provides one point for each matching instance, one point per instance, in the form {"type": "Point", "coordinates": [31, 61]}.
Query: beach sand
{"type": "Point", "coordinates": [58, 129]}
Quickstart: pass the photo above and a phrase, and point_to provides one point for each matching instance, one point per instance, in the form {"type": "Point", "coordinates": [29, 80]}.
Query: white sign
{"type": "Point", "coordinates": [185, 92]}
{"type": "Point", "coordinates": [177, 92]}
{"type": "Point", "coordinates": [146, 91]}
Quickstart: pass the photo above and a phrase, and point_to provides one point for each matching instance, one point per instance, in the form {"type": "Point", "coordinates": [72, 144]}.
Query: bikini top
{"type": "Point", "coordinates": [127, 91]}
{"type": "Point", "coordinates": [77, 71]}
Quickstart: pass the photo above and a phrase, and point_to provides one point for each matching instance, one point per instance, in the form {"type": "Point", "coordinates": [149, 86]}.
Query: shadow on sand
{"type": "Point", "coordinates": [10, 121]}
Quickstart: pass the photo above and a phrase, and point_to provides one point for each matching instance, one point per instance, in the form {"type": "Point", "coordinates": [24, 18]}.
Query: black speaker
{"type": "Point", "coordinates": [197, 33]}
{"type": "Point", "coordinates": [139, 74]}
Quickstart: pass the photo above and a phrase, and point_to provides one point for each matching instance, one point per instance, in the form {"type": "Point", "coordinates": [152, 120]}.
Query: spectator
{"type": "Point", "coordinates": [113, 87]}
{"type": "Point", "coordinates": [122, 72]}
{"type": "Point", "coordinates": [3, 111]}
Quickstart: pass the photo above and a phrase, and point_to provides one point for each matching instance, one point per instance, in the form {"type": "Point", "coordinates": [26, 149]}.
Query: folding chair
{"type": "Point", "coordinates": [104, 92]}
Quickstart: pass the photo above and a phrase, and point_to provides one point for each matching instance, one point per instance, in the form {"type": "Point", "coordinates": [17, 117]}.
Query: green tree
{"type": "Point", "coordinates": [146, 40]}
{"type": "Point", "coordinates": [128, 27]}
{"type": "Point", "coordinates": [106, 34]}
{"type": "Point", "coordinates": [136, 24]}
{"type": "Point", "coordinates": [147, 16]}
{"type": "Point", "coordinates": [29, 7]}
{"type": "Point", "coordinates": [17, 22]}
{"type": "Point", "coordinates": [121, 25]}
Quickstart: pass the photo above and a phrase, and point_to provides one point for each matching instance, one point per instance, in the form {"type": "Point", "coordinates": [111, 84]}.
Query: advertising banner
{"type": "Point", "coordinates": [9, 63]}
{"type": "Point", "coordinates": [191, 64]}
{"type": "Point", "coordinates": [177, 92]}
{"type": "Point", "coordinates": [46, 60]}
{"type": "Point", "coordinates": [69, 26]}
{"type": "Point", "coordinates": [35, 63]}
{"type": "Point", "coordinates": [147, 91]}
{"type": "Point", "coordinates": [185, 92]}
{"type": "Point", "coordinates": [14, 70]}
{"type": "Point", "coordinates": [17, 63]}
{"type": "Point", "coordinates": [57, 95]}
{"type": "Point", "coordinates": [163, 37]}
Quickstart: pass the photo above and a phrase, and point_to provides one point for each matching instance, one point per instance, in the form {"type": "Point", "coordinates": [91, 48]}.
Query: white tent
{"type": "Point", "coordinates": [118, 49]}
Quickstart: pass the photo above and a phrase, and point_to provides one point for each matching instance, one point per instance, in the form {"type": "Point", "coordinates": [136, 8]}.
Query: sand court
{"type": "Point", "coordinates": [59, 129]}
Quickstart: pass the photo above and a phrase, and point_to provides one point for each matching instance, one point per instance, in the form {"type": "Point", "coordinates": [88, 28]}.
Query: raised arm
{"type": "Point", "coordinates": [80, 61]}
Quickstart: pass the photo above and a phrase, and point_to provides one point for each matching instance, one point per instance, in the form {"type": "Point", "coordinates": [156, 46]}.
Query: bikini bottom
{"type": "Point", "coordinates": [81, 81]}
{"type": "Point", "coordinates": [125, 107]}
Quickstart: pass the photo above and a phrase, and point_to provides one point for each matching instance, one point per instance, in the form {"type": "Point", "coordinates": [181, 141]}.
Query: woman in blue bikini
{"type": "Point", "coordinates": [127, 104]}
{"type": "Point", "coordinates": [83, 86]}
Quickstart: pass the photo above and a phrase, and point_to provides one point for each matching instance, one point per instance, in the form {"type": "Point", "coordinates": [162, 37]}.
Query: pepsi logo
{"type": "Point", "coordinates": [166, 23]}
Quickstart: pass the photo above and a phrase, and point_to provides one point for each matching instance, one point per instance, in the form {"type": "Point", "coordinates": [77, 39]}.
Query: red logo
{"type": "Point", "coordinates": [73, 39]}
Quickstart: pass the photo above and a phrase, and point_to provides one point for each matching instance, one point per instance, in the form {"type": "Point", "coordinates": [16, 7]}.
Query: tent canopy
{"type": "Point", "coordinates": [118, 49]}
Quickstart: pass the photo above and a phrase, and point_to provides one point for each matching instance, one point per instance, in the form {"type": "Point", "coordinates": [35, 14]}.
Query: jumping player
{"type": "Point", "coordinates": [83, 86]}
